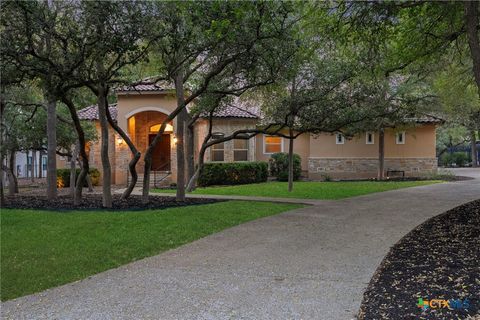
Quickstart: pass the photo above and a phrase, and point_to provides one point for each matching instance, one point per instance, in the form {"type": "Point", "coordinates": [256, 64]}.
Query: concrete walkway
{"type": "Point", "coordinates": [310, 263]}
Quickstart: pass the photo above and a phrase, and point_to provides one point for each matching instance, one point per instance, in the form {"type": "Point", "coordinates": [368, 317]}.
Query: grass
{"type": "Point", "coordinates": [43, 249]}
{"type": "Point", "coordinates": [309, 189]}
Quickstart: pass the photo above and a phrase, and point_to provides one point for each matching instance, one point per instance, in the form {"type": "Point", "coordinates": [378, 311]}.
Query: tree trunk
{"type": "Point", "coordinates": [2, 156]}
{"type": "Point", "coordinates": [51, 148]}
{"type": "Point", "coordinates": [2, 176]}
{"type": "Point", "coordinates": [381, 154]}
{"type": "Point", "coordinates": [107, 173]}
{"type": "Point", "coordinates": [73, 173]}
{"type": "Point", "coordinates": [26, 166]}
{"type": "Point", "coordinates": [471, 21]}
{"type": "Point", "coordinates": [190, 151]}
{"type": "Point", "coordinates": [290, 162]}
{"type": "Point", "coordinates": [81, 144]}
{"type": "Point", "coordinates": [34, 154]}
{"type": "Point", "coordinates": [180, 127]}
{"type": "Point", "coordinates": [89, 182]}
{"type": "Point", "coordinates": [136, 154]}
{"type": "Point", "coordinates": [12, 178]}
{"type": "Point", "coordinates": [473, 143]}
{"type": "Point", "coordinates": [201, 160]}
{"type": "Point", "coordinates": [40, 164]}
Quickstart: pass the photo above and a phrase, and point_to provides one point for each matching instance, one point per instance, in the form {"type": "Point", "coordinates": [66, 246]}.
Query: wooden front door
{"type": "Point", "coordinates": [161, 153]}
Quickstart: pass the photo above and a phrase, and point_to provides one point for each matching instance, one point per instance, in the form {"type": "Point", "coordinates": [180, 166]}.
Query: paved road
{"type": "Point", "coordinates": [310, 263]}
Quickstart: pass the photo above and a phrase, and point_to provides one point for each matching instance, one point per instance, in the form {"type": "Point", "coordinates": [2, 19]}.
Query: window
{"type": "Point", "coordinates": [240, 150]}
{"type": "Point", "coordinates": [339, 138]}
{"type": "Point", "coordinates": [217, 150]}
{"type": "Point", "coordinates": [370, 138]}
{"type": "Point", "coordinates": [400, 138]}
{"type": "Point", "coordinates": [44, 163]}
{"type": "Point", "coordinates": [272, 144]}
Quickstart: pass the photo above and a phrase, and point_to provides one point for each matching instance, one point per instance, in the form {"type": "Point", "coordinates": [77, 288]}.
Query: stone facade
{"type": "Point", "coordinates": [354, 168]}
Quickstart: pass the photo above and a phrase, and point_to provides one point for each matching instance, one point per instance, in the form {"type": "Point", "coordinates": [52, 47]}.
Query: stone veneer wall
{"type": "Point", "coordinates": [354, 168]}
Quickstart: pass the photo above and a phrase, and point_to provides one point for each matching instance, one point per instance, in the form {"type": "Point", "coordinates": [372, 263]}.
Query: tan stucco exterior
{"type": "Point", "coordinates": [301, 146]}
{"type": "Point", "coordinates": [320, 154]}
{"type": "Point", "coordinates": [419, 143]}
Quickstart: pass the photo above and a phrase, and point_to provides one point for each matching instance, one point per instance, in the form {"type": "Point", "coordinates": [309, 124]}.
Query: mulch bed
{"type": "Point", "coordinates": [440, 259]}
{"type": "Point", "coordinates": [94, 201]}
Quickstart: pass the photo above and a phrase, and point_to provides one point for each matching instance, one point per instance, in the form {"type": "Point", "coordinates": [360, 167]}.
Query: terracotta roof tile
{"type": "Point", "coordinates": [91, 112]}
{"type": "Point", "coordinates": [146, 85]}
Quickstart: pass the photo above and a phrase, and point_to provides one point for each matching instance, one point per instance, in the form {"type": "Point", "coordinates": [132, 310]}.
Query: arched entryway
{"type": "Point", "coordinates": [143, 126]}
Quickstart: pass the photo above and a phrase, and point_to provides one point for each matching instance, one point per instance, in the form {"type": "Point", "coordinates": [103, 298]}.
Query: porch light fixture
{"type": "Point", "coordinates": [120, 141]}
{"type": "Point", "coordinates": [174, 140]}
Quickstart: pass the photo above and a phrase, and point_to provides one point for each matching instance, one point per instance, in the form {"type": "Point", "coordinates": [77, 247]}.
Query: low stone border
{"type": "Point", "coordinates": [436, 262]}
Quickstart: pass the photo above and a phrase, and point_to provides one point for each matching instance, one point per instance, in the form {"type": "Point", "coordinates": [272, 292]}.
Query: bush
{"type": "Point", "coordinates": [279, 166]}
{"type": "Point", "coordinates": [458, 159]}
{"type": "Point", "coordinates": [233, 173]}
{"type": "Point", "coordinates": [63, 177]}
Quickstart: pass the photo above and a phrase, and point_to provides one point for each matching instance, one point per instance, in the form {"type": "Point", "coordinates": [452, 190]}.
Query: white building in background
{"type": "Point", "coordinates": [25, 165]}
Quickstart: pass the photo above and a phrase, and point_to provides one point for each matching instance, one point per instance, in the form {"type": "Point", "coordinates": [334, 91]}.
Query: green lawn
{"type": "Point", "coordinates": [309, 189]}
{"type": "Point", "coordinates": [43, 249]}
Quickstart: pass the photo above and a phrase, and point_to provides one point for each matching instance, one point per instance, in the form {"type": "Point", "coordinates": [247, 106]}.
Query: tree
{"type": "Point", "coordinates": [200, 42]}
{"type": "Point", "coordinates": [119, 30]}
{"type": "Point", "coordinates": [45, 41]}
{"type": "Point", "coordinates": [459, 101]}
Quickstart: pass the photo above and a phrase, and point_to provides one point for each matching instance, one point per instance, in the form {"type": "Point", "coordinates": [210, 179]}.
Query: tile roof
{"type": "Point", "coordinates": [91, 112]}
{"type": "Point", "coordinates": [426, 118]}
{"type": "Point", "coordinates": [147, 85]}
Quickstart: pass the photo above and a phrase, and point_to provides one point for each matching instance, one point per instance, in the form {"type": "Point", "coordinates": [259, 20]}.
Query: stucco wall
{"type": "Point", "coordinates": [226, 126]}
{"type": "Point", "coordinates": [132, 103]}
{"type": "Point", "coordinates": [419, 143]}
{"type": "Point", "coordinates": [148, 109]}
{"type": "Point", "coordinates": [301, 146]}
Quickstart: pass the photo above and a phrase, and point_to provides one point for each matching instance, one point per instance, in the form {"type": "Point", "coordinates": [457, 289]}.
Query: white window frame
{"type": "Point", "coordinates": [366, 137]}
{"type": "Point", "coordinates": [247, 149]}
{"type": "Point", "coordinates": [342, 138]}
{"type": "Point", "coordinates": [265, 144]}
{"type": "Point", "coordinates": [397, 135]}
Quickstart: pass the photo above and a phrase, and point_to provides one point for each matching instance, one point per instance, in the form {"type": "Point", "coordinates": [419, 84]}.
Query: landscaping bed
{"type": "Point", "coordinates": [94, 201]}
{"type": "Point", "coordinates": [437, 260]}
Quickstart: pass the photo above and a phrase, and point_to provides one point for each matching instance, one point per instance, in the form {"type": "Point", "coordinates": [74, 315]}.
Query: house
{"type": "Point", "coordinates": [141, 109]}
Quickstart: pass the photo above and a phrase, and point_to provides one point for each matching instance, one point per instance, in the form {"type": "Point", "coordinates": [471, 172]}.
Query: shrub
{"type": "Point", "coordinates": [63, 177]}
{"type": "Point", "coordinates": [279, 166]}
{"type": "Point", "coordinates": [457, 158]}
{"type": "Point", "coordinates": [233, 173]}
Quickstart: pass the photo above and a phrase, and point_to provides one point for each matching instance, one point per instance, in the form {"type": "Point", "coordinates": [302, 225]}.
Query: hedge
{"type": "Point", "coordinates": [233, 173]}
{"type": "Point", "coordinates": [63, 177]}
{"type": "Point", "coordinates": [459, 159]}
{"type": "Point", "coordinates": [279, 166]}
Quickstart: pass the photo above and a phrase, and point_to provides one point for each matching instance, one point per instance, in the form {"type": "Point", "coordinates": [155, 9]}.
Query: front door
{"type": "Point", "coordinates": [161, 153]}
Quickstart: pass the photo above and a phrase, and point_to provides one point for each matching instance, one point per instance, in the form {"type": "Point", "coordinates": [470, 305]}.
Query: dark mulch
{"type": "Point", "coordinates": [94, 201]}
{"type": "Point", "coordinates": [440, 259]}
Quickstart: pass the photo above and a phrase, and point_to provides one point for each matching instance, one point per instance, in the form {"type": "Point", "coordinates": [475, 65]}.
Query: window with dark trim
{"type": "Point", "coordinates": [217, 151]}
{"type": "Point", "coordinates": [240, 150]}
